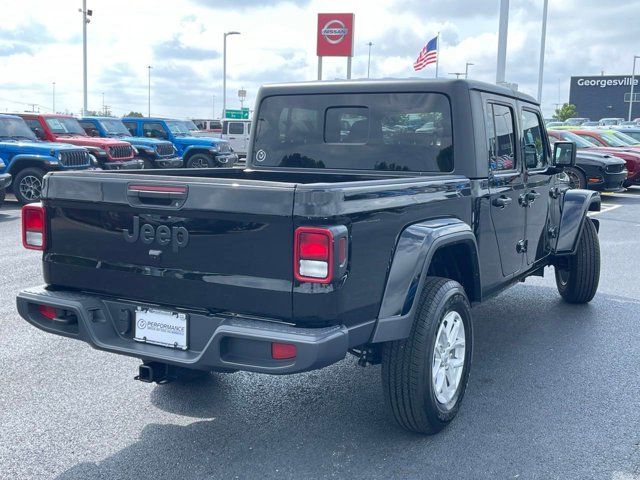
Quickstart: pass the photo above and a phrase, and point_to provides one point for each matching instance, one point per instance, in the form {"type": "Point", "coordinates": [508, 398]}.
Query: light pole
{"type": "Point", "coordinates": [502, 41]}
{"type": "Point", "coordinates": [370, 44]}
{"type": "Point", "coordinates": [242, 95]}
{"type": "Point", "coordinates": [53, 85]}
{"type": "Point", "coordinates": [633, 80]}
{"type": "Point", "coordinates": [457, 74]}
{"type": "Point", "coordinates": [213, 107]}
{"type": "Point", "coordinates": [224, 72]}
{"type": "Point", "coordinates": [466, 69]}
{"type": "Point", "coordinates": [542, 42]}
{"type": "Point", "coordinates": [149, 67]}
{"type": "Point", "coordinates": [85, 13]}
{"type": "Point", "coordinates": [104, 110]}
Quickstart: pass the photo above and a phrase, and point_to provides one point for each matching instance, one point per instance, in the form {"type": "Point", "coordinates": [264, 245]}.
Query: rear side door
{"type": "Point", "coordinates": [535, 148]}
{"type": "Point", "coordinates": [506, 183]}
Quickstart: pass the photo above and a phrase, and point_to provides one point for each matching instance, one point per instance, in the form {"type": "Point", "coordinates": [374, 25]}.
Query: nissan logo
{"type": "Point", "coordinates": [334, 31]}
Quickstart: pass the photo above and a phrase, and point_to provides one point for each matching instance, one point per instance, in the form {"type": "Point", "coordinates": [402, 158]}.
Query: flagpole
{"type": "Point", "coordinates": [437, 52]}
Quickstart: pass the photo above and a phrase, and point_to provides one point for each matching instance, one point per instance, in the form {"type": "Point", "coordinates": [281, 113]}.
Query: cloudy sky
{"type": "Point", "coordinates": [41, 43]}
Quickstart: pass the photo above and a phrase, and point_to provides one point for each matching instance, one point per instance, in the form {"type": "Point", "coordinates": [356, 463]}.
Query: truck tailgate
{"type": "Point", "coordinates": [215, 244]}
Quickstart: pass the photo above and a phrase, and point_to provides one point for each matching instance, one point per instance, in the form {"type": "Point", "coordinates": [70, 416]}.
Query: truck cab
{"type": "Point", "coordinates": [197, 152]}
{"type": "Point", "coordinates": [28, 159]}
{"type": "Point", "coordinates": [154, 152]}
{"type": "Point", "coordinates": [109, 153]}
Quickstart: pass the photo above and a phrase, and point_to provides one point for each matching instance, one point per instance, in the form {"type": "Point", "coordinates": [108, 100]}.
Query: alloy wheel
{"type": "Point", "coordinates": [448, 358]}
{"type": "Point", "coordinates": [31, 187]}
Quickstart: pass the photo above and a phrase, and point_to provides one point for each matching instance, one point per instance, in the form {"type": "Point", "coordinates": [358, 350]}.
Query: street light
{"type": "Point", "coordinates": [466, 69]}
{"type": "Point", "coordinates": [85, 13]}
{"type": "Point", "coordinates": [242, 95]}
{"type": "Point", "coordinates": [633, 80]}
{"type": "Point", "coordinates": [224, 73]}
{"type": "Point", "coordinates": [53, 84]}
{"type": "Point", "coordinates": [213, 107]}
{"type": "Point", "coordinates": [542, 41]}
{"type": "Point", "coordinates": [149, 67]}
{"type": "Point", "coordinates": [369, 59]}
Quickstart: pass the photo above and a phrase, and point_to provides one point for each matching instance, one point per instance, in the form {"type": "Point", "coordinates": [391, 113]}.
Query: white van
{"type": "Point", "coordinates": [236, 132]}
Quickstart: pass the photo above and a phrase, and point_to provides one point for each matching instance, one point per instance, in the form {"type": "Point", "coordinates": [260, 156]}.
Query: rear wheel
{"type": "Point", "coordinates": [425, 375]}
{"type": "Point", "coordinates": [148, 164]}
{"type": "Point", "coordinates": [577, 276]}
{"type": "Point", "coordinates": [27, 186]}
{"type": "Point", "coordinates": [199, 160]}
{"type": "Point", "coordinates": [577, 179]}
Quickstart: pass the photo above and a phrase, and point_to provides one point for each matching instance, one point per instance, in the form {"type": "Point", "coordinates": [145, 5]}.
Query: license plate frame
{"type": "Point", "coordinates": [161, 327]}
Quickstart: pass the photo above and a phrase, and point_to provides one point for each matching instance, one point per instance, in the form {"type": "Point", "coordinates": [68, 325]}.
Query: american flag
{"type": "Point", "coordinates": [427, 55]}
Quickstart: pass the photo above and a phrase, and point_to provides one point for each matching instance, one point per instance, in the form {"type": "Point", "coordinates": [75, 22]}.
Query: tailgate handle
{"type": "Point", "coordinates": [157, 195]}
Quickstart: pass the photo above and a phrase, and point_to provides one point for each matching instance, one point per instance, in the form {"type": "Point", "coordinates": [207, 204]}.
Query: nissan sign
{"type": "Point", "coordinates": [335, 34]}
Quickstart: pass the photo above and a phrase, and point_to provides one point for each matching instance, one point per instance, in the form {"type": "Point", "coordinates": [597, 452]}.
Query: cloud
{"type": "Point", "coordinates": [174, 49]}
{"type": "Point", "coordinates": [33, 33]}
{"type": "Point", "coordinates": [243, 4]}
{"type": "Point", "coordinates": [9, 49]}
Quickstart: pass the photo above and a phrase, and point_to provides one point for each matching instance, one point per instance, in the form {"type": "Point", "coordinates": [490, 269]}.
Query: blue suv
{"type": "Point", "coordinates": [197, 152]}
{"type": "Point", "coordinates": [155, 153]}
{"type": "Point", "coordinates": [28, 159]}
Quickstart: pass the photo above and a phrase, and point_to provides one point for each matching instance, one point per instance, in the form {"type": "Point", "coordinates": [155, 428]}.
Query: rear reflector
{"type": "Point", "coordinates": [33, 226]}
{"type": "Point", "coordinates": [283, 351]}
{"type": "Point", "coordinates": [47, 311]}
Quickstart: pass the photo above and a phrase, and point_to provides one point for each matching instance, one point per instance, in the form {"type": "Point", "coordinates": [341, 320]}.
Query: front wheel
{"type": "Point", "coordinates": [577, 179]}
{"type": "Point", "coordinates": [199, 160]}
{"type": "Point", "coordinates": [27, 186]}
{"type": "Point", "coordinates": [425, 375]}
{"type": "Point", "coordinates": [577, 276]}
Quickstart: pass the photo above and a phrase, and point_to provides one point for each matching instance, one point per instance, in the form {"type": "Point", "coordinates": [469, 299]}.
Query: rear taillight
{"type": "Point", "coordinates": [34, 226]}
{"type": "Point", "coordinates": [320, 253]}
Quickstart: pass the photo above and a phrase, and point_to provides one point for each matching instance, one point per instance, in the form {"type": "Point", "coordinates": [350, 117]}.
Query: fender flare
{"type": "Point", "coordinates": [412, 257]}
{"type": "Point", "coordinates": [192, 149]}
{"type": "Point", "coordinates": [16, 160]}
{"type": "Point", "coordinates": [575, 205]}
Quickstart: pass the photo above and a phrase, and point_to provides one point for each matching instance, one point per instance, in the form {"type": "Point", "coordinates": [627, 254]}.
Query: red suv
{"type": "Point", "coordinates": [109, 153]}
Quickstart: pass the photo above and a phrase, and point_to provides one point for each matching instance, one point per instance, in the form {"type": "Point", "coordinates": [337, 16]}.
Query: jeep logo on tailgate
{"type": "Point", "coordinates": [178, 237]}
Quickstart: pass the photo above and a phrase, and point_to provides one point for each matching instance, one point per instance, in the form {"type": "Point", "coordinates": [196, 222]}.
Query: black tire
{"type": "Point", "coordinates": [3, 194]}
{"type": "Point", "coordinates": [25, 186]}
{"type": "Point", "coordinates": [577, 276]}
{"type": "Point", "coordinates": [407, 364]}
{"type": "Point", "coordinates": [200, 160]}
{"type": "Point", "coordinates": [577, 179]}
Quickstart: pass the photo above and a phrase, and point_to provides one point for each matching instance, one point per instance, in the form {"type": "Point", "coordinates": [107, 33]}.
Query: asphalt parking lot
{"type": "Point", "coordinates": [554, 393]}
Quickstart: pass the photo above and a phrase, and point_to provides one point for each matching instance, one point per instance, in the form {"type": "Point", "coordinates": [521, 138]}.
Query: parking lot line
{"type": "Point", "coordinates": [605, 207]}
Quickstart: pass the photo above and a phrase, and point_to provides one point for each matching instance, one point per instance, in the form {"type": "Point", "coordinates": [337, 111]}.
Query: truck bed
{"type": "Point", "coordinates": [118, 234]}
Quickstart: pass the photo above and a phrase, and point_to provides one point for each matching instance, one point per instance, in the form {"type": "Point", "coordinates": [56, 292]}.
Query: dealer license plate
{"type": "Point", "coordinates": [160, 327]}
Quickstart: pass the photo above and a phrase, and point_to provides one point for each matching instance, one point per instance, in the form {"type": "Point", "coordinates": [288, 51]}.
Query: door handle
{"type": "Point", "coordinates": [232, 138]}
{"type": "Point", "coordinates": [502, 202]}
{"type": "Point", "coordinates": [531, 196]}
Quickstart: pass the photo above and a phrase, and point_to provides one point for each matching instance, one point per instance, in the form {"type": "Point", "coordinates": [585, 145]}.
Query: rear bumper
{"type": "Point", "coordinates": [5, 180]}
{"type": "Point", "coordinates": [134, 164]}
{"type": "Point", "coordinates": [215, 341]}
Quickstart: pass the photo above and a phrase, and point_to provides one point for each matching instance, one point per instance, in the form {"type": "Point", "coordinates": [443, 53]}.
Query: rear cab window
{"type": "Point", "coordinates": [368, 131]}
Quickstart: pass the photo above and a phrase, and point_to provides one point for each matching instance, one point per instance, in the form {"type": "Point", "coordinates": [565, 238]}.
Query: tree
{"type": "Point", "coordinates": [134, 114]}
{"type": "Point", "coordinates": [567, 110]}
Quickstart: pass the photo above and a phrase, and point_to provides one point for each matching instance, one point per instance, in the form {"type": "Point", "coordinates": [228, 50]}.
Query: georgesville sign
{"type": "Point", "coordinates": [335, 34]}
{"type": "Point", "coordinates": [604, 96]}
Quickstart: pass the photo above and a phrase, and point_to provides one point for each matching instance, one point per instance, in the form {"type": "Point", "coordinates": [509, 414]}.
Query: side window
{"type": "Point", "coordinates": [500, 137]}
{"type": "Point", "coordinates": [346, 125]}
{"type": "Point", "coordinates": [131, 126]}
{"type": "Point", "coordinates": [532, 137]}
{"type": "Point", "coordinates": [592, 139]}
{"type": "Point", "coordinates": [153, 130]}
{"type": "Point", "coordinates": [90, 129]}
{"type": "Point", "coordinates": [236, 128]}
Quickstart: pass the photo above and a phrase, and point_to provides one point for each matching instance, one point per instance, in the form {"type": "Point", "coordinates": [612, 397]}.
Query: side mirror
{"type": "Point", "coordinates": [564, 154]}
{"type": "Point", "coordinates": [39, 133]}
{"type": "Point", "coordinates": [530, 155]}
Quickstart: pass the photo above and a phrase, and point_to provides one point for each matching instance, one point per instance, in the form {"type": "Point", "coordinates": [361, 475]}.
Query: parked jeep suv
{"type": "Point", "coordinates": [155, 153]}
{"type": "Point", "coordinates": [109, 153]}
{"type": "Point", "coordinates": [197, 152]}
{"type": "Point", "coordinates": [28, 160]}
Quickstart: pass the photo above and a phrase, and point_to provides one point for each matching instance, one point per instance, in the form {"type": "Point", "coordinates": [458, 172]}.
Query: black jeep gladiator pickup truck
{"type": "Point", "coordinates": [370, 217]}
